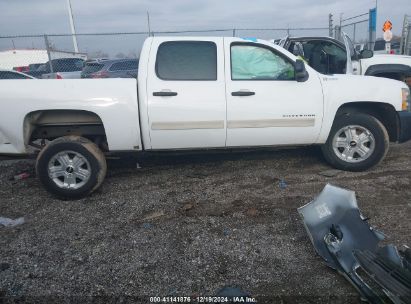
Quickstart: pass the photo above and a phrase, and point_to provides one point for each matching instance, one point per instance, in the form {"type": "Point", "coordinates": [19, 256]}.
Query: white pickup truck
{"type": "Point", "coordinates": [330, 56]}
{"type": "Point", "coordinates": [199, 93]}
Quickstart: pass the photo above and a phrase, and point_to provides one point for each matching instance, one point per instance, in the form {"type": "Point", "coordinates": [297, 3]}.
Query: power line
{"type": "Point", "coordinates": [170, 32]}
{"type": "Point", "coordinates": [342, 20]}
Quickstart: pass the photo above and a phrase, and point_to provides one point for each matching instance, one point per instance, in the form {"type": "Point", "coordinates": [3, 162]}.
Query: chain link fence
{"type": "Point", "coordinates": [103, 55]}
{"type": "Point", "coordinates": [357, 31]}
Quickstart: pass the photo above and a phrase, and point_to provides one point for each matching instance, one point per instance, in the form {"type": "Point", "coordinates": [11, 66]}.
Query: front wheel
{"type": "Point", "coordinates": [356, 142]}
{"type": "Point", "coordinates": [71, 167]}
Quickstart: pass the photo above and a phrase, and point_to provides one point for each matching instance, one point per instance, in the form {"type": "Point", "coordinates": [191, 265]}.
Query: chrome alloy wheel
{"type": "Point", "coordinates": [69, 170]}
{"type": "Point", "coordinates": [353, 143]}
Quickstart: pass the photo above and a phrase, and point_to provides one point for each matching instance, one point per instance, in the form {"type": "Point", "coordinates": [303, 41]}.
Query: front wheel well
{"type": "Point", "coordinates": [384, 112]}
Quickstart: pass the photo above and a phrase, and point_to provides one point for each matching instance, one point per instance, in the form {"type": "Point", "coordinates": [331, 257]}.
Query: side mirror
{"type": "Point", "coordinates": [366, 54]}
{"type": "Point", "coordinates": [300, 71]}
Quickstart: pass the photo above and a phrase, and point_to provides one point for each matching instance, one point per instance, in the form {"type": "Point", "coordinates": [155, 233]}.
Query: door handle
{"type": "Point", "coordinates": [242, 93]}
{"type": "Point", "coordinates": [164, 93]}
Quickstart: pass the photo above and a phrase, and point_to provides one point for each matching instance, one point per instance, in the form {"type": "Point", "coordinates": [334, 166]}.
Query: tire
{"type": "Point", "coordinates": [71, 167]}
{"type": "Point", "coordinates": [356, 142]}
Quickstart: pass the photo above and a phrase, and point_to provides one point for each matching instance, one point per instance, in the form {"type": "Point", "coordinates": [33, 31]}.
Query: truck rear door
{"type": "Point", "coordinates": [186, 93]}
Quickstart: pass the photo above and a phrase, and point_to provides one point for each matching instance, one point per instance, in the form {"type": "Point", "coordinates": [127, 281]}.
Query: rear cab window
{"type": "Point", "coordinates": [187, 60]}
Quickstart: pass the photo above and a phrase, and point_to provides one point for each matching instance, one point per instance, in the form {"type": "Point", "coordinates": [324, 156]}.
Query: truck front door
{"type": "Point", "coordinates": [186, 93]}
{"type": "Point", "coordinates": [265, 104]}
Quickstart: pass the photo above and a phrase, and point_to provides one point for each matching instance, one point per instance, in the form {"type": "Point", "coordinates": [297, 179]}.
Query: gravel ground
{"type": "Point", "coordinates": [190, 225]}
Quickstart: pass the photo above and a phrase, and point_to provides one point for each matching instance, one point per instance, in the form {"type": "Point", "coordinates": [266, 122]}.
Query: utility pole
{"type": "Point", "coordinates": [376, 11]}
{"type": "Point", "coordinates": [148, 24]}
{"type": "Point", "coordinates": [47, 43]}
{"type": "Point", "coordinates": [330, 25]}
{"type": "Point", "coordinates": [73, 30]}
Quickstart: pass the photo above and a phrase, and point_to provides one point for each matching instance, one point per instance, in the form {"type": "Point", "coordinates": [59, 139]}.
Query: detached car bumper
{"type": "Point", "coordinates": [405, 126]}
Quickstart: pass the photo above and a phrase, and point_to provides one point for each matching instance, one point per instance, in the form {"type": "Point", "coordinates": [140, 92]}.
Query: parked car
{"type": "Point", "coordinates": [200, 93]}
{"type": "Point", "coordinates": [63, 68]}
{"type": "Point", "coordinates": [379, 47]}
{"type": "Point", "coordinates": [22, 69]}
{"type": "Point", "coordinates": [118, 68]}
{"type": "Point", "coordinates": [36, 70]}
{"type": "Point", "coordinates": [330, 56]}
{"type": "Point", "coordinates": [38, 73]}
{"type": "Point", "coordinates": [20, 59]}
{"type": "Point", "coordinates": [34, 66]}
{"type": "Point", "coordinates": [8, 74]}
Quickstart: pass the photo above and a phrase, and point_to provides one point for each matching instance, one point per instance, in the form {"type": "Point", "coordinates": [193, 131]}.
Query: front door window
{"type": "Point", "coordinates": [259, 63]}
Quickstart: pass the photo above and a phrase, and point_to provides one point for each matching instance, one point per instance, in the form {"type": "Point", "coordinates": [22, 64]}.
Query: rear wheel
{"type": "Point", "coordinates": [356, 142]}
{"type": "Point", "coordinates": [71, 167]}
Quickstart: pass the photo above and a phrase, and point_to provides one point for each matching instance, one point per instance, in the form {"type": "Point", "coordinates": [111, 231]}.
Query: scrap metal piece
{"type": "Point", "coordinates": [387, 271]}
{"type": "Point", "coordinates": [342, 236]}
{"type": "Point", "coordinates": [338, 207]}
{"type": "Point", "coordinates": [406, 258]}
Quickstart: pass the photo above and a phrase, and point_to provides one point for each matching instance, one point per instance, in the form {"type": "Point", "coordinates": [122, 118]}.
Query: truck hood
{"type": "Point", "coordinates": [355, 88]}
{"type": "Point", "coordinates": [390, 56]}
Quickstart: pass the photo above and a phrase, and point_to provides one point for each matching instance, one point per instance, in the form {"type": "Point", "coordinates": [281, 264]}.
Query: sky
{"type": "Point", "coordinates": [22, 17]}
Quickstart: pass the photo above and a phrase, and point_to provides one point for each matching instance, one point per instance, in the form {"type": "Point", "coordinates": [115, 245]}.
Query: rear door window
{"type": "Point", "coordinates": [187, 60]}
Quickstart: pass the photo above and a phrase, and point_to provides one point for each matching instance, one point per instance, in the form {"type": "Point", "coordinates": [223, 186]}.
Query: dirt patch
{"type": "Point", "coordinates": [191, 225]}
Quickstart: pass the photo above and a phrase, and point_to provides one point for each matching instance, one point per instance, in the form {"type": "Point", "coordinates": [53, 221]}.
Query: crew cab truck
{"type": "Point", "coordinates": [196, 93]}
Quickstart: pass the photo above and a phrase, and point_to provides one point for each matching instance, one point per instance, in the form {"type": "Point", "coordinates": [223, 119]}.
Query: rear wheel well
{"type": "Point", "coordinates": [40, 126]}
{"type": "Point", "coordinates": [384, 112]}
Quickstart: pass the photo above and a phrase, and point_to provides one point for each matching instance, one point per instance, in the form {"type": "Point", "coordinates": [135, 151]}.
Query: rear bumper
{"type": "Point", "coordinates": [405, 126]}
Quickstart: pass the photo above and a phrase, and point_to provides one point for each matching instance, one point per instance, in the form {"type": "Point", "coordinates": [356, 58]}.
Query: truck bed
{"type": "Point", "coordinates": [114, 101]}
